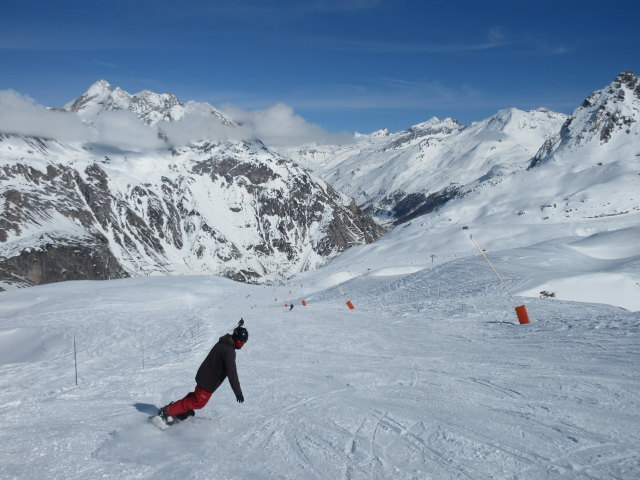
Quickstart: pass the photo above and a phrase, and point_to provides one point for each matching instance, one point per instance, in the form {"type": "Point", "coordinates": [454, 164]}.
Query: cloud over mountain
{"type": "Point", "coordinates": [279, 125]}
{"type": "Point", "coordinates": [21, 115]}
{"type": "Point", "coordinates": [113, 117]}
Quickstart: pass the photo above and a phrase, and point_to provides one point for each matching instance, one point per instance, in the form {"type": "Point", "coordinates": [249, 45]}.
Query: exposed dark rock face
{"type": "Point", "coordinates": [44, 257]}
{"type": "Point", "coordinates": [56, 262]}
{"type": "Point", "coordinates": [403, 207]}
{"type": "Point", "coordinates": [231, 208]}
{"type": "Point", "coordinates": [235, 210]}
{"type": "Point", "coordinates": [417, 204]}
{"type": "Point", "coordinates": [545, 151]}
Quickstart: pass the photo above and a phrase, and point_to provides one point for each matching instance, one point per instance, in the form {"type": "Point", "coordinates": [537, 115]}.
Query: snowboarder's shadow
{"type": "Point", "coordinates": [147, 408]}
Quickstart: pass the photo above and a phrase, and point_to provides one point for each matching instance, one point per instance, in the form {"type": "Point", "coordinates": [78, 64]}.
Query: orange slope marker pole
{"type": "Point", "coordinates": [349, 304]}
{"type": "Point", "coordinates": [521, 310]}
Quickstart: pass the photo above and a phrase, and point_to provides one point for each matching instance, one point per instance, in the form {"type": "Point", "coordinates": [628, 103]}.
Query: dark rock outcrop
{"type": "Point", "coordinates": [59, 261]}
{"type": "Point", "coordinates": [78, 220]}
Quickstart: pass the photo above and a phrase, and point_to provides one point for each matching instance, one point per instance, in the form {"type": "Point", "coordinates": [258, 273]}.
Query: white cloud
{"type": "Point", "coordinates": [195, 126]}
{"type": "Point", "coordinates": [276, 126]}
{"type": "Point", "coordinates": [21, 115]}
{"type": "Point", "coordinates": [279, 126]}
{"type": "Point", "coordinates": [123, 129]}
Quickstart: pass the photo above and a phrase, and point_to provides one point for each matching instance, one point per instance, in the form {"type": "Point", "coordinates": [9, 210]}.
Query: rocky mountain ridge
{"type": "Point", "coordinates": [606, 119]}
{"type": "Point", "coordinates": [245, 211]}
{"type": "Point", "coordinates": [150, 107]}
{"type": "Point", "coordinates": [403, 175]}
{"type": "Point", "coordinates": [231, 208]}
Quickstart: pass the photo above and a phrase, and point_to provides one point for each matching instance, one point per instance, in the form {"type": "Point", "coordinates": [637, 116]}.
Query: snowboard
{"type": "Point", "coordinates": [160, 423]}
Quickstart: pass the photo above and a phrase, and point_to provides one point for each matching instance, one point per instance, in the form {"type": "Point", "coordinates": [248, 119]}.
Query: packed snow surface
{"type": "Point", "coordinates": [430, 377]}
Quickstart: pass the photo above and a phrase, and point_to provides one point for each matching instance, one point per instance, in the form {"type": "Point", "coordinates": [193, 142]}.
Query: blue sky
{"type": "Point", "coordinates": [346, 65]}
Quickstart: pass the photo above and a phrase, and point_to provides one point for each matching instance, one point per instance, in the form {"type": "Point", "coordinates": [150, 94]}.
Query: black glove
{"type": "Point", "coordinates": [240, 398]}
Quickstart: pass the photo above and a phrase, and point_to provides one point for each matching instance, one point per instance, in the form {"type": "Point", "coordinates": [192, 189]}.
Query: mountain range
{"type": "Point", "coordinates": [91, 210]}
{"type": "Point", "coordinates": [149, 107]}
{"type": "Point", "coordinates": [254, 212]}
{"type": "Point", "coordinates": [400, 176]}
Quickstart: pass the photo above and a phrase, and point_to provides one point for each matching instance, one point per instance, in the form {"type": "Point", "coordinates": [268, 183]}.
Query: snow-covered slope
{"type": "Point", "coordinates": [580, 231]}
{"type": "Point", "coordinates": [578, 208]}
{"type": "Point", "coordinates": [583, 185]}
{"type": "Point", "coordinates": [429, 377]}
{"type": "Point", "coordinates": [410, 173]}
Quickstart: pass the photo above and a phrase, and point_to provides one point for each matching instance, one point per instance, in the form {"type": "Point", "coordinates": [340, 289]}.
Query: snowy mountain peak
{"type": "Point", "coordinates": [607, 116]}
{"type": "Point", "coordinates": [150, 107]}
{"type": "Point", "coordinates": [234, 209]}
{"type": "Point", "coordinates": [513, 121]}
{"type": "Point", "coordinates": [96, 95]}
{"type": "Point", "coordinates": [612, 111]}
{"type": "Point", "coordinates": [100, 87]}
{"type": "Point", "coordinates": [504, 116]}
{"type": "Point", "coordinates": [432, 126]}
{"type": "Point", "coordinates": [383, 132]}
{"type": "Point", "coordinates": [156, 99]}
{"type": "Point", "coordinates": [415, 171]}
{"type": "Point", "coordinates": [435, 126]}
{"type": "Point", "coordinates": [428, 124]}
{"type": "Point", "coordinates": [619, 97]}
{"type": "Point", "coordinates": [628, 80]}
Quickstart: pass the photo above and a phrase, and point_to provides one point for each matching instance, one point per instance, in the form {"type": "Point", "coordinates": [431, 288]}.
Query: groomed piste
{"type": "Point", "coordinates": [430, 376]}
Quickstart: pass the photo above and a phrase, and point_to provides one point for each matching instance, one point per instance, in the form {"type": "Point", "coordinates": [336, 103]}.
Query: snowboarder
{"type": "Point", "coordinates": [291, 307]}
{"type": "Point", "coordinates": [219, 364]}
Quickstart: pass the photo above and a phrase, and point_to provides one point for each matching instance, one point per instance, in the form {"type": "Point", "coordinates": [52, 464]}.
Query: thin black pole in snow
{"type": "Point", "coordinates": [75, 359]}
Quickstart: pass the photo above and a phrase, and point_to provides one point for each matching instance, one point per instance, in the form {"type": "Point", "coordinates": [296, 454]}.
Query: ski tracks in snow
{"type": "Point", "coordinates": [427, 378]}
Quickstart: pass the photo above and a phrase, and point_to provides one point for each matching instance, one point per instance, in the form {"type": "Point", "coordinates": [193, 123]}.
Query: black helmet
{"type": "Point", "coordinates": [241, 333]}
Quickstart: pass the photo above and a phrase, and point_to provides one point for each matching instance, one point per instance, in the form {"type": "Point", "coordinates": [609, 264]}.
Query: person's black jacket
{"type": "Point", "coordinates": [219, 364]}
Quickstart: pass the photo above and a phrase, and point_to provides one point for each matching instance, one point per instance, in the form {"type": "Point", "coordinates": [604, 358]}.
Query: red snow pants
{"type": "Point", "coordinates": [193, 401]}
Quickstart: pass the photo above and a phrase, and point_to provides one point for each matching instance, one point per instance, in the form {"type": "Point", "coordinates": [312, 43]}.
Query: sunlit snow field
{"type": "Point", "coordinates": [430, 377]}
